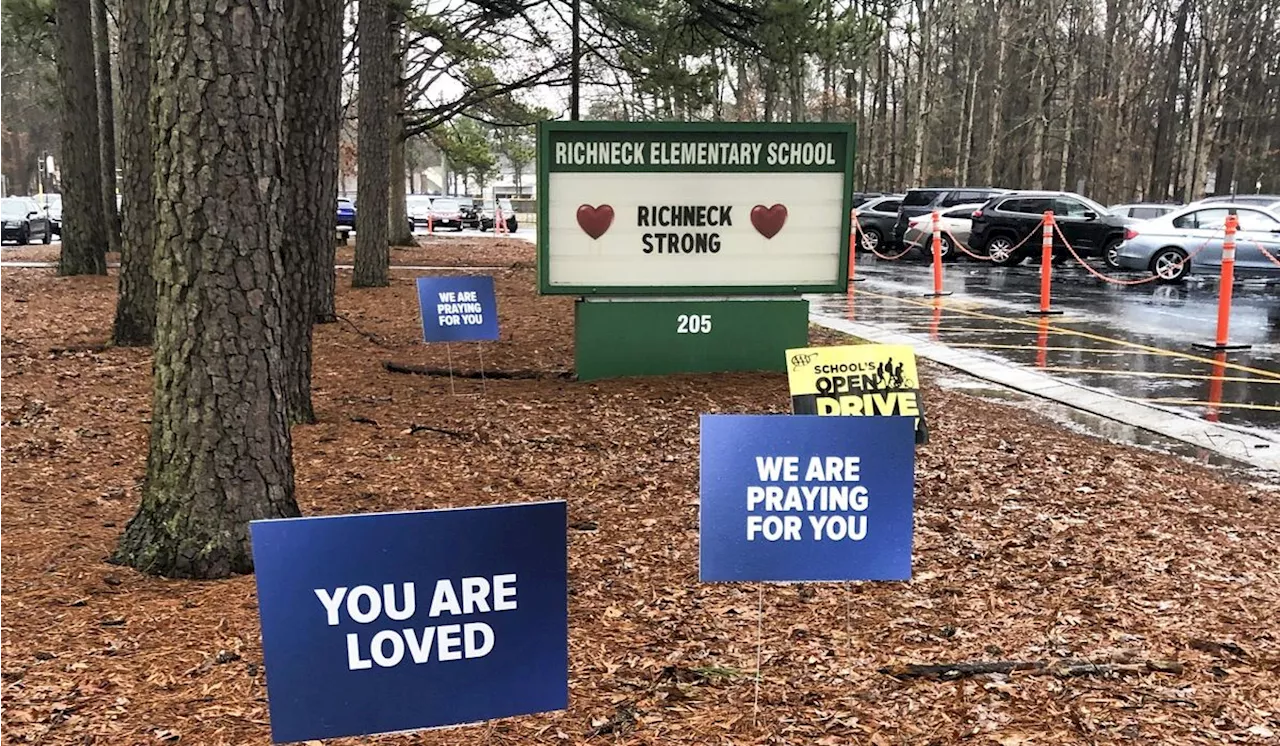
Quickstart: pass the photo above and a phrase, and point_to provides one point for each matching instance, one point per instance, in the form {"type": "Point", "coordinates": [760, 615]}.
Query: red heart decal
{"type": "Point", "coordinates": [594, 221]}
{"type": "Point", "coordinates": [768, 220]}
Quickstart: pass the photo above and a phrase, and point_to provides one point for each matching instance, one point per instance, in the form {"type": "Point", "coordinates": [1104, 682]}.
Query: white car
{"type": "Point", "coordinates": [954, 221]}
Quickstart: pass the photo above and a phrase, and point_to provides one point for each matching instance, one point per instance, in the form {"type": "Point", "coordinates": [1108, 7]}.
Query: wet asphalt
{"type": "Point", "coordinates": [1134, 341]}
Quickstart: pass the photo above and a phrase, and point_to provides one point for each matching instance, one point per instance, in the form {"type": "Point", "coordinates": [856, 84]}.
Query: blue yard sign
{"type": "Point", "coordinates": [458, 309]}
{"type": "Point", "coordinates": [800, 498]}
{"type": "Point", "coordinates": [397, 621]}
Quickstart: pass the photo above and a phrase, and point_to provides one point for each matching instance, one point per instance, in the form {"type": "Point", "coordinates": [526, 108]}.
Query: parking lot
{"type": "Point", "coordinates": [1136, 342]}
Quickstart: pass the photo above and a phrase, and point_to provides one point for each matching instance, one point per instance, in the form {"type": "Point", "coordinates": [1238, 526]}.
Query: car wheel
{"type": "Point", "coordinates": [48, 235]}
{"type": "Point", "coordinates": [24, 237]}
{"type": "Point", "coordinates": [1170, 264]}
{"type": "Point", "coordinates": [871, 239]}
{"type": "Point", "coordinates": [945, 248]}
{"type": "Point", "coordinates": [1000, 249]}
{"type": "Point", "coordinates": [1111, 254]}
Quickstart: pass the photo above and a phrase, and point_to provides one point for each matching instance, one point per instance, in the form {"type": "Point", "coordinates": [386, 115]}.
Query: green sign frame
{"type": "Point", "coordinates": [843, 134]}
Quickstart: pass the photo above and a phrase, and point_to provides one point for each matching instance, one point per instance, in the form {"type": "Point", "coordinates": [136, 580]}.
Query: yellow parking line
{"type": "Point", "coordinates": [944, 328]}
{"type": "Point", "coordinates": [1224, 404]}
{"type": "Point", "coordinates": [1085, 335]}
{"type": "Point", "coordinates": [1037, 348]}
{"type": "Point", "coordinates": [1155, 374]}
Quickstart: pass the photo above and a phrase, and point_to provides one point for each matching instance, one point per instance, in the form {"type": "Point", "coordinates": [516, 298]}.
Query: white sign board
{"type": "Point", "coordinates": [674, 208]}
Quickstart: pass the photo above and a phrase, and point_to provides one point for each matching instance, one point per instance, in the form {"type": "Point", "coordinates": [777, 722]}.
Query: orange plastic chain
{"type": "Point", "coordinates": [1099, 275]}
{"type": "Point", "coordinates": [1270, 257]}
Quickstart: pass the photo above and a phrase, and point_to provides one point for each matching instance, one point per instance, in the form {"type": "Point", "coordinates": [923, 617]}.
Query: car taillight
{"type": "Point", "coordinates": [976, 214]}
{"type": "Point", "coordinates": [1130, 234]}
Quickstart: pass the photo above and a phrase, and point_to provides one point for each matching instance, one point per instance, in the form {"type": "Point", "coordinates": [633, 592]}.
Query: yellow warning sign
{"type": "Point", "coordinates": [857, 380]}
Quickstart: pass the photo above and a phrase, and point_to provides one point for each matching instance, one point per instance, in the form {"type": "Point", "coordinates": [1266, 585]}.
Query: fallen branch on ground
{"type": "Point", "coordinates": [1062, 668]}
{"type": "Point", "coordinates": [415, 429]}
{"type": "Point", "coordinates": [422, 370]}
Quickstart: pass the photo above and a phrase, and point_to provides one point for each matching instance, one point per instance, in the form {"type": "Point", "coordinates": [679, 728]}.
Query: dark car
{"type": "Point", "coordinates": [862, 198]}
{"type": "Point", "coordinates": [346, 217]}
{"type": "Point", "coordinates": [920, 201]}
{"type": "Point", "coordinates": [1001, 226]}
{"type": "Point", "coordinates": [876, 218]}
{"type": "Point", "coordinates": [24, 220]}
{"type": "Point", "coordinates": [487, 213]}
{"type": "Point", "coordinates": [52, 205]}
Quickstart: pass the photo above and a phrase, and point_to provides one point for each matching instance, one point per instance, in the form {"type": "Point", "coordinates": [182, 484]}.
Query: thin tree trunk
{"type": "Point", "coordinates": [1069, 129]}
{"type": "Point", "coordinates": [921, 114]}
{"type": "Point", "coordinates": [997, 95]}
{"type": "Point", "coordinates": [84, 241]}
{"type": "Point", "coordinates": [1040, 130]}
{"type": "Point", "coordinates": [373, 187]}
{"type": "Point", "coordinates": [136, 301]}
{"type": "Point", "coordinates": [1163, 141]}
{"type": "Point", "coordinates": [220, 452]}
{"type": "Point", "coordinates": [398, 208]}
{"type": "Point", "coordinates": [106, 123]}
{"type": "Point", "coordinates": [313, 37]}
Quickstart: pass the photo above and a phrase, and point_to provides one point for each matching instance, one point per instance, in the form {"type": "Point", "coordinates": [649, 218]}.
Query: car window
{"type": "Point", "coordinates": [1027, 205]}
{"type": "Point", "coordinates": [889, 205]}
{"type": "Point", "coordinates": [960, 198]}
{"type": "Point", "coordinates": [1256, 221]}
{"type": "Point", "coordinates": [12, 208]}
{"type": "Point", "coordinates": [964, 212]}
{"type": "Point", "coordinates": [1201, 218]}
{"type": "Point", "coordinates": [446, 205]}
{"type": "Point", "coordinates": [1071, 208]}
{"type": "Point", "coordinates": [1146, 213]}
{"type": "Point", "coordinates": [345, 203]}
{"type": "Point", "coordinates": [920, 197]}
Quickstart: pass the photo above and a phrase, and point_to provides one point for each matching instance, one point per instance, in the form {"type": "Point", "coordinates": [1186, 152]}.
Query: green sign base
{"type": "Point", "coordinates": [617, 337]}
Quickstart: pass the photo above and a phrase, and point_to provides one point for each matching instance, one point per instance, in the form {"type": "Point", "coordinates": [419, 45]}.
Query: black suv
{"type": "Point", "coordinates": [923, 201]}
{"type": "Point", "coordinates": [1001, 225]}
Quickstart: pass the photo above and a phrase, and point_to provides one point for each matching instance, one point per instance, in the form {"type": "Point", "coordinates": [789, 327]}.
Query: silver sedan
{"type": "Point", "coordinates": [1162, 246]}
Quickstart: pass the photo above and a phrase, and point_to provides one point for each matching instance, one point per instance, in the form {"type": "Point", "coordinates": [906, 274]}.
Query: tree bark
{"type": "Point", "coordinates": [398, 212]}
{"type": "Point", "coordinates": [372, 242]}
{"type": "Point", "coordinates": [136, 301]}
{"type": "Point", "coordinates": [106, 122]}
{"type": "Point", "coordinates": [1164, 141]}
{"type": "Point", "coordinates": [84, 242]}
{"type": "Point", "coordinates": [314, 34]}
{"type": "Point", "coordinates": [220, 452]}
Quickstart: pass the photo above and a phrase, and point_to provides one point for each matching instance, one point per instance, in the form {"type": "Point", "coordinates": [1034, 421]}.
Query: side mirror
{"type": "Point", "coordinates": [1090, 215]}
{"type": "Point", "coordinates": [33, 213]}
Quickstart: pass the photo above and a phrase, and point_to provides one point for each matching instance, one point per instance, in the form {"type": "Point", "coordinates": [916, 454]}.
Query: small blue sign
{"type": "Point", "coordinates": [397, 621]}
{"type": "Point", "coordinates": [458, 309]}
{"type": "Point", "coordinates": [792, 498]}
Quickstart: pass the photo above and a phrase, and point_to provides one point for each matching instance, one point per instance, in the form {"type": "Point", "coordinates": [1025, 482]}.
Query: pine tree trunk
{"type": "Point", "coordinates": [136, 300]}
{"type": "Point", "coordinates": [373, 255]}
{"type": "Point", "coordinates": [314, 34]}
{"type": "Point", "coordinates": [398, 208]}
{"type": "Point", "coordinates": [220, 452]}
{"type": "Point", "coordinates": [106, 122]}
{"type": "Point", "coordinates": [84, 242]}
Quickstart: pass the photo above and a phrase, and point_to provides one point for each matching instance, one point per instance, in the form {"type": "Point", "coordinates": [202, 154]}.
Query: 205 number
{"type": "Point", "coordinates": [693, 323]}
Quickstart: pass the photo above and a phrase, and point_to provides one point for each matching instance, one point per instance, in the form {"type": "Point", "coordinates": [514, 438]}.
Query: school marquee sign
{"type": "Point", "coordinates": [679, 208]}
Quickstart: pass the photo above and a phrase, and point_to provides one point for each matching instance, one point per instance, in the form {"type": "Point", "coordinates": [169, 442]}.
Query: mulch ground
{"type": "Point", "coordinates": [1032, 543]}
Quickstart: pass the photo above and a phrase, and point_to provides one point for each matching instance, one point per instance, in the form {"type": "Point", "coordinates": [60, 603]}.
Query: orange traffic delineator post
{"type": "Point", "coordinates": [1046, 267]}
{"type": "Point", "coordinates": [937, 259]}
{"type": "Point", "coordinates": [1226, 280]}
{"type": "Point", "coordinates": [854, 233]}
{"type": "Point", "coordinates": [431, 223]}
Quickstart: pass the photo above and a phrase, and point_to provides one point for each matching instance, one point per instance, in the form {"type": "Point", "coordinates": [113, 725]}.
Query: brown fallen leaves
{"type": "Point", "coordinates": [1013, 562]}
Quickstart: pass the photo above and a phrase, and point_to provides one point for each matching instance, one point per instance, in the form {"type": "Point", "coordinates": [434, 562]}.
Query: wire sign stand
{"type": "Point", "coordinates": [460, 308]}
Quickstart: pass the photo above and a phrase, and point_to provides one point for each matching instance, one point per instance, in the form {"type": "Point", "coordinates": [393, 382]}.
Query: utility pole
{"type": "Point", "coordinates": [575, 69]}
